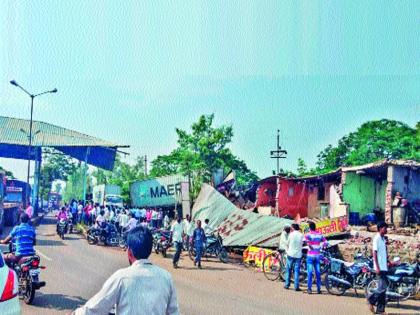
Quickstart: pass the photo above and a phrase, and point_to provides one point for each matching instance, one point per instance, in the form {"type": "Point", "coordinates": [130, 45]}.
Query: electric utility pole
{"type": "Point", "coordinates": [278, 153]}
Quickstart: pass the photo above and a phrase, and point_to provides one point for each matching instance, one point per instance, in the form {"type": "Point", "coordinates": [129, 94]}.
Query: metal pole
{"type": "Point", "coordinates": [85, 175]}
{"type": "Point", "coordinates": [30, 147]}
{"type": "Point", "coordinates": [145, 165]}
{"type": "Point", "coordinates": [278, 148]}
{"type": "Point", "coordinates": [39, 177]}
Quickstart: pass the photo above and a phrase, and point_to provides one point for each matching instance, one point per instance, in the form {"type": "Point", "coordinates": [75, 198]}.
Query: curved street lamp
{"type": "Point", "coordinates": [32, 96]}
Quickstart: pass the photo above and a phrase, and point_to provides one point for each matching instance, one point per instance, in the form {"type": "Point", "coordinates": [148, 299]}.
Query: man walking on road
{"type": "Point", "coordinates": [199, 239]}
{"type": "Point", "coordinates": [380, 261]}
{"type": "Point", "coordinates": [294, 256]}
{"type": "Point", "coordinates": [177, 234]}
{"type": "Point", "coordinates": [313, 259]}
{"type": "Point", "coordinates": [142, 288]}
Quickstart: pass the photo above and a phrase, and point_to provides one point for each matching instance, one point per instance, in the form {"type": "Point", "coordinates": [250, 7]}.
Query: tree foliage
{"type": "Point", "coordinates": [8, 174]}
{"type": "Point", "coordinates": [55, 166]}
{"type": "Point", "coordinates": [200, 153]}
{"type": "Point", "coordinates": [74, 185]}
{"type": "Point", "coordinates": [373, 141]}
{"type": "Point", "coordinates": [122, 175]}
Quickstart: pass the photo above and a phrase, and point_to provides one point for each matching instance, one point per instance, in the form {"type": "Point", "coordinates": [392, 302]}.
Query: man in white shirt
{"type": "Point", "coordinates": [140, 289]}
{"type": "Point", "coordinates": [188, 229]}
{"type": "Point", "coordinates": [132, 222]}
{"type": "Point", "coordinates": [380, 263]}
{"type": "Point", "coordinates": [284, 239]}
{"type": "Point", "coordinates": [208, 231]}
{"type": "Point", "coordinates": [177, 230]}
{"type": "Point", "coordinates": [294, 256]}
{"type": "Point", "coordinates": [123, 219]}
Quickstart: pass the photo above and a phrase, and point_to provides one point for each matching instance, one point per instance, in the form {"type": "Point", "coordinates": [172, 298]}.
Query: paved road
{"type": "Point", "coordinates": [75, 271]}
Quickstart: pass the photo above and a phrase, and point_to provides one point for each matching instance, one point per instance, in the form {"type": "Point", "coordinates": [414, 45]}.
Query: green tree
{"type": "Point", "coordinates": [123, 175]}
{"type": "Point", "coordinates": [74, 185]}
{"type": "Point", "coordinates": [9, 174]}
{"type": "Point", "coordinates": [200, 153]}
{"type": "Point", "coordinates": [56, 165]}
{"type": "Point", "coordinates": [373, 141]}
{"type": "Point", "coordinates": [302, 169]}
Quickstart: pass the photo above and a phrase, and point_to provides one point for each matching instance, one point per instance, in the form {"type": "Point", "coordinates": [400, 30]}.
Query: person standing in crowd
{"type": "Point", "coordinates": [142, 288]}
{"type": "Point", "coordinates": [166, 221]}
{"type": "Point", "coordinates": [86, 213]}
{"type": "Point", "coordinates": [188, 229]}
{"type": "Point", "coordinates": [314, 240]}
{"type": "Point", "coordinates": [294, 256]}
{"type": "Point", "coordinates": [160, 218]}
{"type": "Point", "coordinates": [154, 218]}
{"type": "Point", "coordinates": [29, 211]}
{"type": "Point", "coordinates": [122, 220]}
{"type": "Point", "coordinates": [79, 211]}
{"type": "Point", "coordinates": [207, 228]}
{"type": "Point", "coordinates": [177, 230]}
{"type": "Point", "coordinates": [132, 222]}
{"type": "Point", "coordinates": [380, 262]}
{"type": "Point", "coordinates": [74, 212]}
{"type": "Point", "coordinates": [199, 239]}
{"type": "Point", "coordinates": [284, 239]}
{"type": "Point", "coordinates": [93, 214]}
{"type": "Point", "coordinates": [148, 216]}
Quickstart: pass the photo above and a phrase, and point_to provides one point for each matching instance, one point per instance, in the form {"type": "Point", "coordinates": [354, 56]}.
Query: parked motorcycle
{"type": "Point", "coordinates": [162, 242]}
{"type": "Point", "coordinates": [61, 229]}
{"type": "Point", "coordinates": [403, 282]}
{"type": "Point", "coordinates": [342, 276]}
{"type": "Point", "coordinates": [70, 226]}
{"type": "Point", "coordinates": [27, 271]}
{"type": "Point", "coordinates": [108, 236]}
{"type": "Point", "coordinates": [213, 248]}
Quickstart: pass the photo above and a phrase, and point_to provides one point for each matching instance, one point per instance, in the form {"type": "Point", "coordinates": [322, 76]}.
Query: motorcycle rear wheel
{"type": "Point", "coordinates": [223, 256]}
{"type": "Point", "coordinates": [333, 287]}
{"type": "Point", "coordinates": [29, 295]}
{"type": "Point", "coordinates": [164, 253]}
{"type": "Point", "coordinates": [91, 239]}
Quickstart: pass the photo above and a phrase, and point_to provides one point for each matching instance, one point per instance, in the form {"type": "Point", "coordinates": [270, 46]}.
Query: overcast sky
{"type": "Point", "coordinates": [131, 73]}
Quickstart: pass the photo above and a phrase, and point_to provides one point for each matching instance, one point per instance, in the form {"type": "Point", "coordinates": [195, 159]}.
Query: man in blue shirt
{"type": "Point", "coordinates": [24, 237]}
{"type": "Point", "coordinates": [199, 238]}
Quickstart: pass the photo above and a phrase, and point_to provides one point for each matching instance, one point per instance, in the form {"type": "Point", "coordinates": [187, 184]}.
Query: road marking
{"type": "Point", "coordinates": [43, 255]}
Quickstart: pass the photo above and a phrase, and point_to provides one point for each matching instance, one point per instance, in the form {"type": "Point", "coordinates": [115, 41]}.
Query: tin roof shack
{"type": "Point", "coordinates": [292, 198]}
{"type": "Point", "coordinates": [312, 196]}
{"type": "Point", "coordinates": [266, 193]}
{"type": "Point", "coordinates": [324, 195]}
{"type": "Point", "coordinates": [373, 186]}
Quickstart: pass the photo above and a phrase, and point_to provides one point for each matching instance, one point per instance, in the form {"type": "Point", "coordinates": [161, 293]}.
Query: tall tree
{"type": "Point", "coordinates": [9, 174]}
{"type": "Point", "coordinates": [200, 153]}
{"type": "Point", "coordinates": [302, 169]}
{"type": "Point", "coordinates": [55, 166]}
{"type": "Point", "coordinates": [123, 175]}
{"type": "Point", "coordinates": [373, 141]}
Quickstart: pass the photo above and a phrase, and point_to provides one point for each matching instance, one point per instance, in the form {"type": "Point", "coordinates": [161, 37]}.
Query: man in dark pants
{"type": "Point", "coordinates": [199, 239]}
{"type": "Point", "coordinates": [177, 234]}
{"type": "Point", "coordinates": [380, 260]}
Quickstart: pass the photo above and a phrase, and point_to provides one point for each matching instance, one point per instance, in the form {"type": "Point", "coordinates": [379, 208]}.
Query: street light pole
{"type": "Point", "coordinates": [32, 96]}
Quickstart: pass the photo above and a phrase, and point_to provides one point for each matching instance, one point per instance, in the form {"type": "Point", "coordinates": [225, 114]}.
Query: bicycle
{"type": "Point", "coordinates": [274, 265]}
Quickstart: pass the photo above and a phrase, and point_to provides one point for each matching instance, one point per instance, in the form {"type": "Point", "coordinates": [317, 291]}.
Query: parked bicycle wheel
{"type": "Point", "coordinates": [272, 266]}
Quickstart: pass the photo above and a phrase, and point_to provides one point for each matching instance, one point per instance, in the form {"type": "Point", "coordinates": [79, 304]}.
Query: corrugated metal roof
{"type": "Point", "coordinates": [383, 163]}
{"type": "Point", "coordinates": [15, 131]}
{"type": "Point", "coordinates": [14, 142]}
{"type": "Point", "coordinates": [237, 227]}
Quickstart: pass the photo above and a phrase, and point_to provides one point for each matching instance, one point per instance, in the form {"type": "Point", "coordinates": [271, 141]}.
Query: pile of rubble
{"type": "Point", "coordinates": [404, 243]}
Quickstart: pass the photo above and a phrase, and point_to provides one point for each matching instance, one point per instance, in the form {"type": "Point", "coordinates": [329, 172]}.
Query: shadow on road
{"type": "Point", "coordinates": [49, 243]}
{"type": "Point", "coordinates": [58, 301]}
{"type": "Point", "coordinates": [209, 268]}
